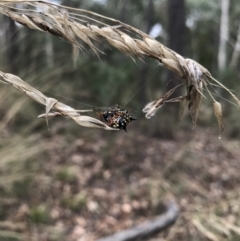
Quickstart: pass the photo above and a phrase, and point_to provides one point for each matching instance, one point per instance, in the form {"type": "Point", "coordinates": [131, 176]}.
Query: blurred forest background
{"type": "Point", "coordinates": [71, 183]}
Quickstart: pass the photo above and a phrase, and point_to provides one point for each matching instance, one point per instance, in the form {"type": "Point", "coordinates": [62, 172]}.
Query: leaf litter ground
{"type": "Point", "coordinates": [99, 184]}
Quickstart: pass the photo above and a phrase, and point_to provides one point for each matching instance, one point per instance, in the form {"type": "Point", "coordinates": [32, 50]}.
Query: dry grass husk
{"type": "Point", "coordinates": [81, 27]}
{"type": "Point", "coordinates": [50, 103]}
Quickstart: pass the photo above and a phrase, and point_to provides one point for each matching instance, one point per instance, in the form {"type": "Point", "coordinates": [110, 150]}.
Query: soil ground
{"type": "Point", "coordinates": [101, 183]}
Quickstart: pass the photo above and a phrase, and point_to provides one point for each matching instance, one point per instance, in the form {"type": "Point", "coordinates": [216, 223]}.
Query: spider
{"type": "Point", "coordinates": [116, 117]}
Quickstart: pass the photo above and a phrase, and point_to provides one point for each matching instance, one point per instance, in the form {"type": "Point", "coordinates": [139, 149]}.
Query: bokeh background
{"type": "Point", "coordinates": [72, 183]}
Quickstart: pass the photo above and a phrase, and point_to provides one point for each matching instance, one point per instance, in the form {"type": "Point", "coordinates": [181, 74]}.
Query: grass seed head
{"type": "Point", "coordinates": [218, 113]}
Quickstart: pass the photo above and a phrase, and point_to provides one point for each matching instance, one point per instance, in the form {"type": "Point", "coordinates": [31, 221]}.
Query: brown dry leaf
{"type": "Point", "coordinates": [218, 113]}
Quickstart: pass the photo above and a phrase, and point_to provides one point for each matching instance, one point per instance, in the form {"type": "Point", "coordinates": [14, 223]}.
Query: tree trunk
{"type": "Point", "coordinates": [123, 11]}
{"type": "Point", "coordinates": [236, 51]}
{"type": "Point", "coordinates": [176, 31]}
{"type": "Point", "coordinates": [224, 34]}
{"type": "Point", "coordinates": [177, 42]}
{"type": "Point", "coordinates": [143, 68]}
{"type": "Point", "coordinates": [176, 25]}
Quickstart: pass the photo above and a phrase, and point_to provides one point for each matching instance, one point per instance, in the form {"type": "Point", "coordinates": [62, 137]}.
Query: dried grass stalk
{"type": "Point", "coordinates": [51, 103]}
{"type": "Point", "coordinates": [151, 108]}
{"type": "Point", "coordinates": [204, 231]}
{"type": "Point", "coordinates": [81, 27]}
{"type": "Point", "coordinates": [218, 113]}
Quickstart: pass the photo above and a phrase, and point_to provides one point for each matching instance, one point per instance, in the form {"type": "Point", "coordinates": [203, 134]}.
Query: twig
{"type": "Point", "coordinates": [148, 228]}
{"type": "Point", "coordinates": [236, 51]}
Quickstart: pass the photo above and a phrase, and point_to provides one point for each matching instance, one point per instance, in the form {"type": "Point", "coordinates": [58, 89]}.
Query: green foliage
{"type": "Point", "coordinates": [79, 201]}
{"type": "Point", "coordinates": [3, 212]}
{"type": "Point", "coordinates": [22, 189]}
{"type": "Point", "coordinates": [40, 214]}
{"type": "Point", "coordinates": [66, 174]}
{"type": "Point", "coordinates": [76, 203]}
{"type": "Point", "coordinates": [10, 236]}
